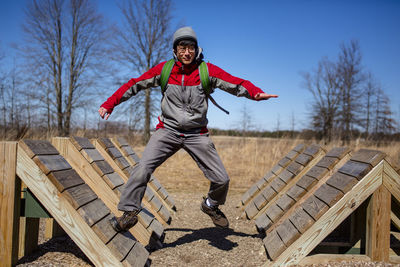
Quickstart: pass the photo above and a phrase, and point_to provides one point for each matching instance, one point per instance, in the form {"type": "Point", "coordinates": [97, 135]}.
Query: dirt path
{"type": "Point", "coordinates": [191, 240]}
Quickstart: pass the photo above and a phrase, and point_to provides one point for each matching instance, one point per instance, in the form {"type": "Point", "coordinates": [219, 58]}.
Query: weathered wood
{"type": "Point", "coordinates": [94, 211]}
{"type": "Point", "coordinates": [137, 256]}
{"type": "Point", "coordinates": [331, 219]}
{"type": "Point", "coordinates": [262, 223]}
{"type": "Point", "coordinates": [284, 202]}
{"type": "Point", "coordinates": [285, 176]}
{"type": "Point", "coordinates": [368, 156]}
{"type": "Point", "coordinates": [105, 143]}
{"type": "Point", "coordinates": [284, 162]}
{"type": "Point", "coordinates": [273, 245]}
{"type": "Point", "coordinates": [277, 184]}
{"type": "Point", "coordinates": [102, 167]}
{"type": "Point", "coordinates": [259, 201]}
{"type": "Point", "coordinates": [91, 155]}
{"type": "Point", "coordinates": [301, 220]}
{"type": "Point", "coordinates": [306, 181]}
{"type": "Point", "coordinates": [9, 204]}
{"type": "Point", "coordinates": [37, 147]}
{"type": "Point", "coordinates": [276, 169]}
{"type": "Point", "coordinates": [113, 180]}
{"type": "Point", "coordinates": [294, 168]}
{"type": "Point", "coordinates": [104, 230]}
{"type": "Point", "coordinates": [123, 164]}
{"type": "Point", "coordinates": [79, 195]}
{"type": "Point", "coordinates": [65, 179]}
{"type": "Point", "coordinates": [274, 212]}
{"type": "Point", "coordinates": [314, 207]}
{"type": "Point", "coordinates": [121, 244]}
{"type": "Point", "coordinates": [391, 180]}
{"type": "Point", "coordinates": [81, 143]}
{"type": "Point", "coordinates": [338, 152]}
{"type": "Point", "coordinates": [299, 148]}
{"type": "Point", "coordinates": [312, 150]}
{"type": "Point", "coordinates": [378, 225]}
{"type": "Point", "coordinates": [250, 210]}
{"type": "Point", "coordinates": [355, 169]}
{"type": "Point", "coordinates": [342, 181]}
{"type": "Point", "coordinates": [63, 212]}
{"type": "Point", "coordinates": [328, 194]}
{"type": "Point", "coordinates": [296, 192]}
{"type": "Point", "coordinates": [51, 163]}
{"type": "Point", "coordinates": [114, 152]}
{"type": "Point", "coordinates": [317, 172]}
{"type": "Point", "coordinates": [328, 162]}
{"type": "Point", "coordinates": [303, 159]}
{"type": "Point", "coordinates": [287, 232]}
{"type": "Point", "coordinates": [268, 193]}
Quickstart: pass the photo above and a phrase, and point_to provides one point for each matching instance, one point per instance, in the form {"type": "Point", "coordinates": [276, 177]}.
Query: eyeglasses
{"type": "Point", "coordinates": [182, 49]}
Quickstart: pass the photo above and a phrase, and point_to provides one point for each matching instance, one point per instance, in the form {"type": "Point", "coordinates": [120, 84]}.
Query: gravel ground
{"type": "Point", "coordinates": [191, 240]}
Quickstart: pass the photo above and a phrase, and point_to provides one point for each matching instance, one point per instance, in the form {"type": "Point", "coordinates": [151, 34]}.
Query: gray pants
{"type": "Point", "coordinates": [163, 144]}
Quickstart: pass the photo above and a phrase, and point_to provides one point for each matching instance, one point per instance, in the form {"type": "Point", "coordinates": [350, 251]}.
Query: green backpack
{"type": "Point", "coordinates": [204, 78]}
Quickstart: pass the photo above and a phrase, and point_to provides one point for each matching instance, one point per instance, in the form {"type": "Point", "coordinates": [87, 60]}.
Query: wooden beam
{"type": "Point", "coordinates": [329, 258]}
{"type": "Point", "coordinates": [391, 180]}
{"type": "Point", "coordinates": [63, 212]}
{"type": "Point", "coordinates": [331, 219]}
{"type": "Point", "coordinates": [378, 225]}
{"type": "Point", "coordinates": [9, 204]}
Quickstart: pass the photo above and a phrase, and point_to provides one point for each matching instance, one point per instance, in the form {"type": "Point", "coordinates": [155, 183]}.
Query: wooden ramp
{"type": "Point", "coordinates": [107, 184]}
{"type": "Point", "coordinates": [322, 198]}
{"type": "Point", "coordinates": [286, 173]}
{"type": "Point", "coordinates": [130, 155]}
{"type": "Point", "coordinates": [152, 200]}
{"type": "Point", "coordinates": [75, 206]}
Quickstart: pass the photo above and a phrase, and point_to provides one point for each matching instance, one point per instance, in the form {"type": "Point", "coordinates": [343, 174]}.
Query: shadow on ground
{"type": "Point", "coordinates": [217, 237]}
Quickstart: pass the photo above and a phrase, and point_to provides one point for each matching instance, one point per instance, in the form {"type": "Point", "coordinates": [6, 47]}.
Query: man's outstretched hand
{"type": "Point", "coordinates": [104, 114]}
{"type": "Point", "coordinates": [264, 96]}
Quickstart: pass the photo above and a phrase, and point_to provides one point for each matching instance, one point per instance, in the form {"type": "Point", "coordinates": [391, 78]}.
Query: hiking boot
{"type": "Point", "coordinates": [216, 215]}
{"type": "Point", "coordinates": [124, 222]}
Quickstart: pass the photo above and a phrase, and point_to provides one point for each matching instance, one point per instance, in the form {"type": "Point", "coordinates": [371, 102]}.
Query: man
{"type": "Point", "coordinates": [182, 124]}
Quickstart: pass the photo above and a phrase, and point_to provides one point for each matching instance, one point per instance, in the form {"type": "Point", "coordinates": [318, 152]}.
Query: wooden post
{"type": "Point", "coordinates": [9, 204]}
{"type": "Point", "coordinates": [378, 225]}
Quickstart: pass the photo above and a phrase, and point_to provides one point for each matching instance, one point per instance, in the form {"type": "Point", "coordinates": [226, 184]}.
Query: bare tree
{"type": "Point", "coordinates": [383, 122]}
{"type": "Point", "coordinates": [62, 40]}
{"type": "Point", "coordinates": [351, 78]}
{"type": "Point", "coordinates": [323, 85]}
{"type": "Point", "coordinates": [143, 42]}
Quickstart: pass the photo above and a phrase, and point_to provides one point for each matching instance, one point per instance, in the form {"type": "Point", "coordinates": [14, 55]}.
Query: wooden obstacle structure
{"type": "Point", "coordinates": [315, 193]}
{"type": "Point", "coordinates": [80, 190]}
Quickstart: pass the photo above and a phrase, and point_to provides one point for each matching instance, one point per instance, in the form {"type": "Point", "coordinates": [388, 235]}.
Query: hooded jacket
{"type": "Point", "coordinates": [184, 104]}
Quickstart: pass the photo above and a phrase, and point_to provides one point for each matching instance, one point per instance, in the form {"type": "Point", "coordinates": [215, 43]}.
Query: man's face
{"type": "Point", "coordinates": [185, 53]}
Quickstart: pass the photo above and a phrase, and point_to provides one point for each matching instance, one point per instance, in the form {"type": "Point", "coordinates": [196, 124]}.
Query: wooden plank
{"type": "Point", "coordinates": [312, 150]}
{"type": "Point", "coordinates": [355, 169]}
{"type": "Point", "coordinates": [91, 155]}
{"type": "Point", "coordinates": [137, 257]}
{"type": "Point", "coordinates": [276, 169]}
{"type": "Point", "coordinates": [296, 192]}
{"type": "Point", "coordinates": [317, 172]}
{"type": "Point", "coordinates": [79, 195]}
{"type": "Point", "coordinates": [63, 212]}
{"type": "Point", "coordinates": [94, 211]}
{"type": "Point", "coordinates": [368, 156]}
{"type": "Point", "coordinates": [105, 143]}
{"type": "Point", "coordinates": [328, 162]}
{"type": "Point", "coordinates": [102, 167]}
{"type": "Point", "coordinates": [263, 222]}
{"type": "Point", "coordinates": [274, 212]}
{"type": "Point", "coordinates": [306, 181]}
{"type": "Point", "coordinates": [277, 184]}
{"type": "Point", "coordinates": [331, 219]}
{"type": "Point", "coordinates": [121, 244]}
{"type": "Point", "coordinates": [81, 143]}
{"type": "Point", "coordinates": [250, 210]}
{"type": "Point", "coordinates": [301, 220]}
{"type": "Point", "coordinates": [342, 182]}
{"type": "Point", "coordinates": [284, 162]}
{"type": "Point", "coordinates": [113, 180]}
{"type": "Point", "coordinates": [314, 207]}
{"type": "Point", "coordinates": [303, 159]}
{"type": "Point", "coordinates": [328, 194]}
{"type": "Point", "coordinates": [338, 152]}
{"type": "Point", "coordinates": [294, 168]}
{"type": "Point", "coordinates": [391, 180]}
{"type": "Point", "coordinates": [285, 202]}
{"type": "Point", "coordinates": [104, 230]}
{"type": "Point", "coordinates": [299, 148]}
{"type": "Point", "coordinates": [51, 163]}
{"type": "Point", "coordinates": [37, 147]}
{"type": "Point", "coordinates": [287, 232]}
{"type": "Point", "coordinates": [259, 201]}
{"type": "Point", "coordinates": [123, 164]}
{"type": "Point", "coordinates": [268, 193]}
{"type": "Point", "coordinates": [120, 141]}
{"type": "Point", "coordinates": [285, 176]}
{"type": "Point", "coordinates": [9, 204]}
{"type": "Point", "coordinates": [274, 245]}
{"type": "Point", "coordinates": [65, 179]}
{"type": "Point", "coordinates": [378, 225]}
{"type": "Point", "coordinates": [114, 152]}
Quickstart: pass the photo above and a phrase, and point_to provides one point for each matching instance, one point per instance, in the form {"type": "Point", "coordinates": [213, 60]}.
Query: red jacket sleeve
{"type": "Point", "coordinates": [150, 78]}
{"type": "Point", "coordinates": [231, 84]}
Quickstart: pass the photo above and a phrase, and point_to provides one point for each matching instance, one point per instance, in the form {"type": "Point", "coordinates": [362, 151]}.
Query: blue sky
{"type": "Point", "coordinates": [270, 43]}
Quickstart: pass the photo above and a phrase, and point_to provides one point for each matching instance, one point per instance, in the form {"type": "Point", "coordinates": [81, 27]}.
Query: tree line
{"type": "Point", "coordinates": [71, 56]}
{"type": "Point", "coordinates": [348, 102]}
